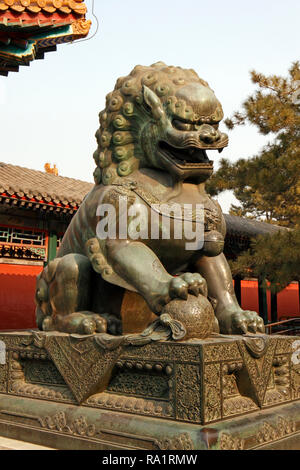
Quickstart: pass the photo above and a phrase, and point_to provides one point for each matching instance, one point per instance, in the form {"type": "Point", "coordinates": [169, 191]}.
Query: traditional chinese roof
{"type": "Point", "coordinates": [29, 28]}
{"type": "Point", "coordinates": [248, 227]}
{"type": "Point", "coordinates": [241, 230]}
{"type": "Point", "coordinates": [26, 188]}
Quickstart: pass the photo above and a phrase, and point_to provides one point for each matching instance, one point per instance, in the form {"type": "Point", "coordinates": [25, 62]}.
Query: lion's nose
{"type": "Point", "coordinates": [208, 134]}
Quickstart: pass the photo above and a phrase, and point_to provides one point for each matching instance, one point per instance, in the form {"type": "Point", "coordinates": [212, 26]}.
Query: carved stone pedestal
{"type": "Point", "coordinates": [79, 392]}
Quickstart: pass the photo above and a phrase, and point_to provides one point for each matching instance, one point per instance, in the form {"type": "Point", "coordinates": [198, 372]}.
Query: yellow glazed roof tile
{"type": "Point", "coordinates": [46, 6]}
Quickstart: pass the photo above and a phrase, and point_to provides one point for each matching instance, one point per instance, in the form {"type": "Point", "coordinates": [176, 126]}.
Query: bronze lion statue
{"type": "Point", "coordinates": [155, 131]}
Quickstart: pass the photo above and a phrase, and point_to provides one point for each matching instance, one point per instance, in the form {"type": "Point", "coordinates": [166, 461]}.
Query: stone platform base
{"type": "Point", "coordinates": [13, 444]}
{"type": "Point", "coordinates": [90, 392]}
{"type": "Point", "coordinates": [81, 428]}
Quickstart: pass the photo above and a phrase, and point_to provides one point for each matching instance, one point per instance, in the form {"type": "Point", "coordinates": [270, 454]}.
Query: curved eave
{"type": "Point", "coordinates": [248, 228]}
{"type": "Point", "coordinates": [27, 36]}
{"type": "Point", "coordinates": [36, 204]}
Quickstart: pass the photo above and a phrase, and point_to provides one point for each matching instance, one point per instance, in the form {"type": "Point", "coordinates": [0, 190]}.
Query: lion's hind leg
{"type": "Point", "coordinates": [64, 297]}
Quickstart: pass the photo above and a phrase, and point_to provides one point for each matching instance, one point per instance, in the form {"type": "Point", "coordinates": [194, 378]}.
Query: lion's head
{"type": "Point", "coordinates": [159, 117]}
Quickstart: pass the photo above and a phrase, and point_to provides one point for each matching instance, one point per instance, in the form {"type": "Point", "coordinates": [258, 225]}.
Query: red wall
{"type": "Point", "coordinates": [17, 287]}
{"type": "Point", "coordinates": [287, 299]}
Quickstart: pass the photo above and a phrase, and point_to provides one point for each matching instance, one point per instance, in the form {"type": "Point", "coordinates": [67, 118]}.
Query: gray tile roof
{"type": "Point", "coordinates": [32, 184]}
{"type": "Point", "coordinates": [248, 227]}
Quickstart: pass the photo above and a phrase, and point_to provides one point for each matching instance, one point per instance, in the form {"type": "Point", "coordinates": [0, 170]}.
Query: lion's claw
{"type": "Point", "coordinates": [197, 283]}
{"type": "Point", "coordinates": [94, 324]}
{"type": "Point", "coordinates": [239, 324]}
{"type": "Point", "coordinates": [252, 327]}
{"type": "Point", "coordinates": [88, 326]}
{"type": "Point", "coordinates": [187, 283]}
{"type": "Point", "coordinates": [260, 325]}
{"type": "Point", "coordinates": [194, 290]}
{"type": "Point", "coordinates": [178, 288]}
{"type": "Point", "coordinates": [101, 324]}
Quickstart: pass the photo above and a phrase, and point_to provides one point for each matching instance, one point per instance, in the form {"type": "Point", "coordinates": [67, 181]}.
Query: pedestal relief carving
{"type": "Point", "coordinates": [197, 382]}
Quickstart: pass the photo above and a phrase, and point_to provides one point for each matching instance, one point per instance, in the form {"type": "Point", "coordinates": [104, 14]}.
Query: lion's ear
{"type": "Point", "coordinates": [152, 100]}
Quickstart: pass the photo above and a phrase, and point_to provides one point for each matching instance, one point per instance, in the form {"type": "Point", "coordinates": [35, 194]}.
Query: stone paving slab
{"type": "Point", "coordinates": [12, 444]}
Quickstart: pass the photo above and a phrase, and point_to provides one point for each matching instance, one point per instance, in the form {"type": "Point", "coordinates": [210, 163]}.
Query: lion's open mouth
{"type": "Point", "coordinates": [185, 158]}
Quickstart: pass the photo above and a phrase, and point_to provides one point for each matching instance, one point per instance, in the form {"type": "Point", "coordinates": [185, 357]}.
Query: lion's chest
{"type": "Point", "coordinates": [176, 230]}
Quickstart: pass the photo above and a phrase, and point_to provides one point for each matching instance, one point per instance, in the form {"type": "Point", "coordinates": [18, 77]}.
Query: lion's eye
{"type": "Point", "coordinates": [182, 126]}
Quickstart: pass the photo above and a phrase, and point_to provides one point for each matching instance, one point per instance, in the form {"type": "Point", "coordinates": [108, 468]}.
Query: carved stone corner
{"type": "Point", "coordinates": [85, 366]}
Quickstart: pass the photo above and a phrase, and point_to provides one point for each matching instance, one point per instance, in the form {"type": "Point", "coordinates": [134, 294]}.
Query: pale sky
{"type": "Point", "coordinates": [49, 111]}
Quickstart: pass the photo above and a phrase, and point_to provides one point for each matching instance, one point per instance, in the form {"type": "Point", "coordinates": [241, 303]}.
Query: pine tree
{"type": "Point", "coordinates": [267, 185]}
{"type": "Point", "coordinates": [275, 258]}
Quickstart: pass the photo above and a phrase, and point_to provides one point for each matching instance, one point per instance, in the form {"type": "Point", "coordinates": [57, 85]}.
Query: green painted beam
{"type": "Point", "coordinates": [52, 246]}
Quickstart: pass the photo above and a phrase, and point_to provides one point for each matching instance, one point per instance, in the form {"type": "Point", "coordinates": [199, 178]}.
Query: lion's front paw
{"type": "Point", "coordinates": [240, 322]}
{"type": "Point", "coordinates": [246, 320]}
{"type": "Point", "coordinates": [187, 283]}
